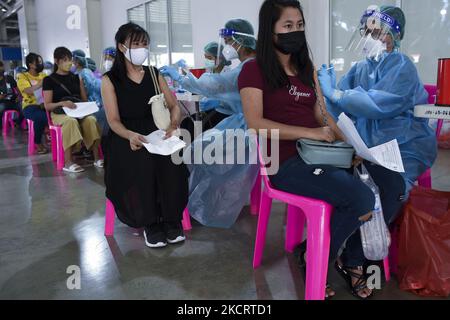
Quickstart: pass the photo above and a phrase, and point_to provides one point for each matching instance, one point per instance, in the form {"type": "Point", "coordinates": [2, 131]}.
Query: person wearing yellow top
{"type": "Point", "coordinates": [30, 86]}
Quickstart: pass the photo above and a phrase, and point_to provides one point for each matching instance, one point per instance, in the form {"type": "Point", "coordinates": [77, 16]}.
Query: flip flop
{"type": "Point", "coordinates": [73, 169]}
{"type": "Point", "coordinates": [99, 164]}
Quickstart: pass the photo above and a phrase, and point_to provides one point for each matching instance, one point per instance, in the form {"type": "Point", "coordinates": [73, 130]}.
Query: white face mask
{"type": "Point", "coordinates": [210, 64]}
{"type": "Point", "coordinates": [137, 56]}
{"type": "Point", "coordinates": [230, 53]}
{"type": "Point", "coordinates": [372, 48]}
{"type": "Point", "coordinates": [108, 65]}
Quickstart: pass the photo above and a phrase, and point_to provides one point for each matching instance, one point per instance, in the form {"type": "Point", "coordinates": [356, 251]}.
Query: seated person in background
{"type": "Point", "coordinates": [218, 192]}
{"type": "Point", "coordinates": [382, 106]}
{"type": "Point", "coordinates": [211, 55]}
{"type": "Point", "coordinates": [9, 99]}
{"type": "Point", "coordinates": [92, 85]}
{"type": "Point", "coordinates": [213, 111]}
{"type": "Point", "coordinates": [62, 89]}
{"type": "Point", "coordinates": [30, 86]}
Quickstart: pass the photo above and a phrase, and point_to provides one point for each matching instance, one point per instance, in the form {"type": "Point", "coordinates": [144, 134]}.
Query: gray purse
{"type": "Point", "coordinates": [338, 154]}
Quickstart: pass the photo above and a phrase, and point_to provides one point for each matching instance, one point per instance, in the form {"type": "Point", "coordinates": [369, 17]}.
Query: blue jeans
{"type": "Point", "coordinates": [39, 117]}
{"type": "Point", "coordinates": [350, 197]}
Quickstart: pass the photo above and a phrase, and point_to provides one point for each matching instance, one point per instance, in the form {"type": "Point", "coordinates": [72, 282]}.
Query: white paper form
{"type": "Point", "coordinates": [157, 145]}
{"type": "Point", "coordinates": [83, 109]}
{"type": "Point", "coordinates": [386, 155]}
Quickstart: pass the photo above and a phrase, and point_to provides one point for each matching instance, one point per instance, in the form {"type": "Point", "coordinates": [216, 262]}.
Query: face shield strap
{"type": "Point", "coordinates": [230, 33]}
{"type": "Point", "coordinates": [384, 18]}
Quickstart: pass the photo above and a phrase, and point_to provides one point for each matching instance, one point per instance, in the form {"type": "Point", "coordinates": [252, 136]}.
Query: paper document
{"type": "Point", "coordinates": [386, 155]}
{"type": "Point", "coordinates": [83, 109]}
{"type": "Point", "coordinates": [157, 145]}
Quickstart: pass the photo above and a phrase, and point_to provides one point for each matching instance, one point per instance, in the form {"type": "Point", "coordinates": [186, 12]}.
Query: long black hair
{"type": "Point", "coordinates": [61, 53]}
{"type": "Point", "coordinates": [266, 55]}
{"type": "Point", "coordinates": [131, 32]}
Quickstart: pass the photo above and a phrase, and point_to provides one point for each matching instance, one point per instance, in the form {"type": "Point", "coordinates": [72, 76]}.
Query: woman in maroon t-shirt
{"type": "Point", "coordinates": [278, 92]}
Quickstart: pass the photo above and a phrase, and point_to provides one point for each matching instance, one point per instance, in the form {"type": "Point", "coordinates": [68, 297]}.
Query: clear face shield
{"type": "Point", "coordinates": [107, 60]}
{"type": "Point", "coordinates": [227, 42]}
{"type": "Point", "coordinates": [374, 32]}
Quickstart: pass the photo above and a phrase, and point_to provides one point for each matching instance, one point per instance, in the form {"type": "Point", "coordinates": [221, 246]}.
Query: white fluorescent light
{"type": "Point", "coordinates": [161, 46]}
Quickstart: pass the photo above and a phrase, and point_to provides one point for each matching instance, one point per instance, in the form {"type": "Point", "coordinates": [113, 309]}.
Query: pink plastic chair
{"type": "Point", "coordinates": [57, 144]}
{"type": "Point", "coordinates": [31, 145]}
{"type": "Point", "coordinates": [317, 215]}
{"type": "Point", "coordinates": [8, 120]}
{"type": "Point", "coordinates": [425, 179]}
{"type": "Point", "coordinates": [110, 217]}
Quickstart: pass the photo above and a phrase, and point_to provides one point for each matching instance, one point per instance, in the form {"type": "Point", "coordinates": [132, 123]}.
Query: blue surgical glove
{"type": "Point", "coordinates": [181, 64]}
{"type": "Point", "coordinates": [328, 85]}
{"type": "Point", "coordinates": [332, 73]}
{"type": "Point", "coordinates": [170, 72]}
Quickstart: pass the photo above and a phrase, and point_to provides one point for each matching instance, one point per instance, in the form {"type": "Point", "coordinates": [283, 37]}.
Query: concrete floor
{"type": "Point", "coordinates": [50, 221]}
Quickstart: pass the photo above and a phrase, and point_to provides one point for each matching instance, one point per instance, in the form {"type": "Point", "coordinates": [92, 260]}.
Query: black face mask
{"type": "Point", "coordinates": [292, 42]}
{"type": "Point", "coordinates": [39, 68]}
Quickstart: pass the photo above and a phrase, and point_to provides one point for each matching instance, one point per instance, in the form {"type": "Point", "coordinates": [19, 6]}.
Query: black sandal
{"type": "Point", "coordinates": [299, 253]}
{"type": "Point", "coordinates": [360, 284]}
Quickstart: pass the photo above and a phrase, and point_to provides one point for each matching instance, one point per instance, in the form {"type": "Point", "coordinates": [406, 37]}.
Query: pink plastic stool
{"type": "Point", "coordinates": [8, 120]}
{"type": "Point", "coordinates": [31, 145]}
{"type": "Point", "coordinates": [110, 216]}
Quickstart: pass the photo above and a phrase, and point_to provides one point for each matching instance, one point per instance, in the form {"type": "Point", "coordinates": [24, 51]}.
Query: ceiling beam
{"type": "Point", "coordinates": [13, 10]}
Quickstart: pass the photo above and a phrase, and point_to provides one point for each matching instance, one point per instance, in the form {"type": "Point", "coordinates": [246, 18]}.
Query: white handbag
{"type": "Point", "coordinates": [161, 114]}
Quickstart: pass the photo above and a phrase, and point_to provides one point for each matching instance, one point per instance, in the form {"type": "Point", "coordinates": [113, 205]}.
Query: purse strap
{"type": "Point", "coordinates": [322, 109]}
{"type": "Point", "coordinates": [62, 86]}
{"type": "Point", "coordinates": [155, 80]}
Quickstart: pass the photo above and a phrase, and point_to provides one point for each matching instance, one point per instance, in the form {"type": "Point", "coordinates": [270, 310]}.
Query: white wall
{"type": "Point", "coordinates": [93, 8]}
{"type": "Point", "coordinates": [317, 16]}
{"type": "Point", "coordinates": [52, 28]}
{"type": "Point", "coordinates": [113, 15]}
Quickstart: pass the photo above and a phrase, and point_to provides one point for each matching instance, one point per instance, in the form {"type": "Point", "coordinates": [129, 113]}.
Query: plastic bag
{"type": "Point", "coordinates": [424, 244]}
{"type": "Point", "coordinates": [375, 235]}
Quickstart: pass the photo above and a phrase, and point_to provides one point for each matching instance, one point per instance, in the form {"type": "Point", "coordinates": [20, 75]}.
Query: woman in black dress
{"type": "Point", "coordinates": [148, 191]}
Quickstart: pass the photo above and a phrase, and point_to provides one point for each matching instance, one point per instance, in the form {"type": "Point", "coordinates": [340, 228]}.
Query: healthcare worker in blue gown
{"type": "Point", "coordinates": [380, 92]}
{"type": "Point", "coordinates": [218, 192]}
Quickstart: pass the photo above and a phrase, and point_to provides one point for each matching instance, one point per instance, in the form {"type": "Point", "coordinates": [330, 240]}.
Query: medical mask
{"type": "Point", "coordinates": [210, 64]}
{"type": "Point", "coordinates": [137, 56]}
{"type": "Point", "coordinates": [372, 48]}
{"type": "Point", "coordinates": [230, 53]}
{"type": "Point", "coordinates": [39, 68]}
{"type": "Point", "coordinates": [108, 65]}
{"type": "Point", "coordinates": [291, 42]}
